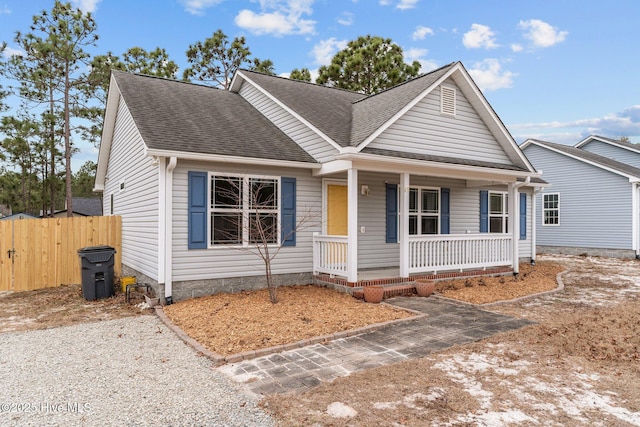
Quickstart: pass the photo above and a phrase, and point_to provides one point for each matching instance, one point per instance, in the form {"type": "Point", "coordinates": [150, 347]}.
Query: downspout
{"type": "Point", "coordinates": [168, 241]}
{"type": "Point", "coordinates": [534, 219]}
{"type": "Point", "coordinates": [515, 204]}
{"type": "Point", "coordinates": [635, 220]}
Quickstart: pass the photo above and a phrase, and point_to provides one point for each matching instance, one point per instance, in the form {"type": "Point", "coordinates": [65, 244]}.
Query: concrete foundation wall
{"type": "Point", "coordinates": [569, 250]}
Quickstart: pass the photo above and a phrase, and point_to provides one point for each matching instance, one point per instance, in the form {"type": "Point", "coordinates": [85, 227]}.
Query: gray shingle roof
{"type": "Point", "coordinates": [441, 159]}
{"type": "Point", "coordinates": [178, 116]}
{"type": "Point", "coordinates": [309, 100]}
{"type": "Point", "coordinates": [89, 206]}
{"type": "Point", "coordinates": [618, 142]}
{"type": "Point", "coordinates": [592, 157]}
{"type": "Point", "coordinates": [372, 112]}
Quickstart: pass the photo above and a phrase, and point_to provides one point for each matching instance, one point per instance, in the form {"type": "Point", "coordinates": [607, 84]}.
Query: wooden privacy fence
{"type": "Point", "coordinates": [41, 253]}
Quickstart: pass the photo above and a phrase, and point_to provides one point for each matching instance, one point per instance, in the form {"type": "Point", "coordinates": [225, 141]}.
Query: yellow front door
{"type": "Point", "coordinates": [337, 210]}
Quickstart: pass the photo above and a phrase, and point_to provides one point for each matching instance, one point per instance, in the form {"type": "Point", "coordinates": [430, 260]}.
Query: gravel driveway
{"type": "Point", "coordinates": [126, 372]}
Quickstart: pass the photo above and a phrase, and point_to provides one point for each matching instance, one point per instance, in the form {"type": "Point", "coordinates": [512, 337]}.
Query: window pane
{"type": "Point", "coordinates": [263, 228]}
{"type": "Point", "coordinates": [495, 204]}
{"type": "Point", "coordinates": [413, 200]}
{"type": "Point", "coordinates": [226, 228]}
{"type": "Point", "coordinates": [226, 192]}
{"type": "Point", "coordinates": [429, 225]}
{"type": "Point", "coordinates": [495, 225]}
{"type": "Point", "coordinates": [264, 193]}
{"type": "Point", "coordinates": [430, 201]}
{"type": "Point", "coordinates": [413, 224]}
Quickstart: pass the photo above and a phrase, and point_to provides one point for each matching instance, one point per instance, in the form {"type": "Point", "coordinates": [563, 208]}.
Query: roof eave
{"type": "Point", "coordinates": [186, 155]}
{"type": "Point", "coordinates": [111, 112]}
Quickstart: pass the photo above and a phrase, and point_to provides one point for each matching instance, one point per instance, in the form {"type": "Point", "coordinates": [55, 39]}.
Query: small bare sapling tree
{"type": "Point", "coordinates": [245, 214]}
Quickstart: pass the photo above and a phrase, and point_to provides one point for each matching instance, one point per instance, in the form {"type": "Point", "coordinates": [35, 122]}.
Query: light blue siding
{"type": "Point", "coordinates": [223, 262]}
{"type": "Point", "coordinates": [424, 130]}
{"type": "Point", "coordinates": [613, 152]}
{"type": "Point", "coordinates": [595, 204]}
{"type": "Point", "coordinates": [137, 203]}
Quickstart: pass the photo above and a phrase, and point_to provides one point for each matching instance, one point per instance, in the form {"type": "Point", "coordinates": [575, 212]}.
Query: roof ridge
{"type": "Point", "coordinates": [166, 79]}
{"type": "Point", "coordinates": [300, 81]}
{"type": "Point", "coordinates": [407, 81]}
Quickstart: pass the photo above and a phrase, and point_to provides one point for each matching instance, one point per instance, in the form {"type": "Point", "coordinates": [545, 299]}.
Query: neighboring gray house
{"type": "Point", "coordinates": [419, 179]}
{"type": "Point", "coordinates": [593, 204]}
{"type": "Point", "coordinates": [624, 152]}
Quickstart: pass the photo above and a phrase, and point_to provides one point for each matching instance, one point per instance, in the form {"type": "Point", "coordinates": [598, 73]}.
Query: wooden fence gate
{"type": "Point", "coordinates": [41, 253]}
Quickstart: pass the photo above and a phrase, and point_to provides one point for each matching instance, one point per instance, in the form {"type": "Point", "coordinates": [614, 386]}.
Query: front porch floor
{"type": "Point", "coordinates": [394, 285]}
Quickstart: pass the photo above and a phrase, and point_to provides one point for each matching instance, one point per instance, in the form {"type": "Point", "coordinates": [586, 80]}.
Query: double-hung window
{"type": "Point", "coordinates": [244, 210]}
{"type": "Point", "coordinates": [551, 209]}
{"type": "Point", "coordinates": [424, 210]}
{"type": "Point", "coordinates": [498, 212]}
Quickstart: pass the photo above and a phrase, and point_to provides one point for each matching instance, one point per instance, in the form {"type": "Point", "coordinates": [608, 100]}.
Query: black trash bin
{"type": "Point", "coordinates": [97, 263]}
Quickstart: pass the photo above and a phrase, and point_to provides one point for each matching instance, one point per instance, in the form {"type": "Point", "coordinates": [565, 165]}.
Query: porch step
{"type": "Point", "coordinates": [390, 290]}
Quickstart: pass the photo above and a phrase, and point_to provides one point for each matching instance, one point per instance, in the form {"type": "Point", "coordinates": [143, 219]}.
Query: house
{"type": "Point", "coordinates": [82, 206]}
{"type": "Point", "coordinates": [592, 206]}
{"type": "Point", "coordinates": [419, 179]}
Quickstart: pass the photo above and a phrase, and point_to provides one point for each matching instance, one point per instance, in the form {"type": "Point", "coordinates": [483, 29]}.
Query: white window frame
{"type": "Point", "coordinates": [448, 106]}
{"type": "Point", "coordinates": [418, 212]}
{"type": "Point", "coordinates": [245, 209]}
{"type": "Point", "coordinates": [545, 209]}
{"type": "Point", "coordinates": [504, 213]}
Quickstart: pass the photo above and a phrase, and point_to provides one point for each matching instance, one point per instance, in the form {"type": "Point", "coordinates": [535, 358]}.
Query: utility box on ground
{"type": "Point", "coordinates": [97, 264]}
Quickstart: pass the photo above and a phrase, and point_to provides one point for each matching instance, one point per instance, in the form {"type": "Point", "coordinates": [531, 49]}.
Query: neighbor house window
{"type": "Point", "coordinates": [424, 210]}
{"type": "Point", "coordinates": [551, 209]}
{"type": "Point", "coordinates": [498, 212]}
{"type": "Point", "coordinates": [244, 210]}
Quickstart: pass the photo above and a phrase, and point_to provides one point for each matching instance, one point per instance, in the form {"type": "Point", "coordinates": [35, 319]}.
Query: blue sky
{"type": "Point", "coordinates": [555, 70]}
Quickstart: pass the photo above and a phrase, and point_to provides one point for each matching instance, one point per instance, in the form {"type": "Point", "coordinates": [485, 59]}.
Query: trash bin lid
{"type": "Point", "coordinates": [90, 249]}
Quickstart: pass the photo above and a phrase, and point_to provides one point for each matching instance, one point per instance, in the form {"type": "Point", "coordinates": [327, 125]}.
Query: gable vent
{"type": "Point", "coordinates": [448, 100]}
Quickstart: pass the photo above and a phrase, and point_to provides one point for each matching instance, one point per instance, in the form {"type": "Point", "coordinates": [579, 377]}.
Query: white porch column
{"type": "Point", "coordinates": [635, 218]}
{"type": "Point", "coordinates": [403, 232]}
{"type": "Point", "coordinates": [514, 223]}
{"type": "Point", "coordinates": [352, 226]}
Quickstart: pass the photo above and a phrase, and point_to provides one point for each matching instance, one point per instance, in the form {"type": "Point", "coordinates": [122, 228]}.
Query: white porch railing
{"type": "Point", "coordinates": [330, 254]}
{"type": "Point", "coordinates": [458, 251]}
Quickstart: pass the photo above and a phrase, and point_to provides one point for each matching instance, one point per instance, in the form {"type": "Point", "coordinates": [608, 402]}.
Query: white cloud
{"type": "Point", "coordinates": [541, 33]}
{"type": "Point", "coordinates": [407, 4]}
{"type": "Point", "coordinates": [324, 50]}
{"type": "Point", "coordinates": [479, 36]}
{"type": "Point", "coordinates": [9, 52]}
{"type": "Point", "coordinates": [87, 5]}
{"type": "Point", "coordinates": [614, 125]}
{"type": "Point", "coordinates": [278, 17]}
{"type": "Point", "coordinates": [515, 47]}
{"type": "Point", "coordinates": [489, 75]}
{"type": "Point", "coordinates": [422, 32]}
{"type": "Point", "coordinates": [346, 18]}
{"type": "Point", "coordinates": [197, 7]}
{"type": "Point", "coordinates": [418, 54]}
{"type": "Point", "coordinates": [4, 10]}
{"type": "Point", "coordinates": [402, 4]}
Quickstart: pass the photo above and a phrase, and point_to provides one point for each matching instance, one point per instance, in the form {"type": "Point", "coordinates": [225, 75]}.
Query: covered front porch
{"type": "Point", "coordinates": [454, 239]}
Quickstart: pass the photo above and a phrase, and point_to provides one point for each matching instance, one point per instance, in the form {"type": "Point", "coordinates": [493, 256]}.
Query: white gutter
{"type": "Point", "coordinates": [635, 217]}
{"type": "Point", "coordinates": [230, 159]}
{"type": "Point", "coordinates": [514, 202]}
{"type": "Point", "coordinates": [168, 240]}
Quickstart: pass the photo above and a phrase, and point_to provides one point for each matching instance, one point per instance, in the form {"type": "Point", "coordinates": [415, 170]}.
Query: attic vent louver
{"type": "Point", "coordinates": [448, 100]}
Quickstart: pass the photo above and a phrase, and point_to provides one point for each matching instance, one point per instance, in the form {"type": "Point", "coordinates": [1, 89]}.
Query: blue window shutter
{"type": "Point", "coordinates": [444, 211]}
{"type": "Point", "coordinates": [288, 227]}
{"type": "Point", "coordinates": [484, 211]}
{"type": "Point", "coordinates": [392, 213]}
{"type": "Point", "coordinates": [523, 216]}
{"type": "Point", "coordinates": [197, 229]}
